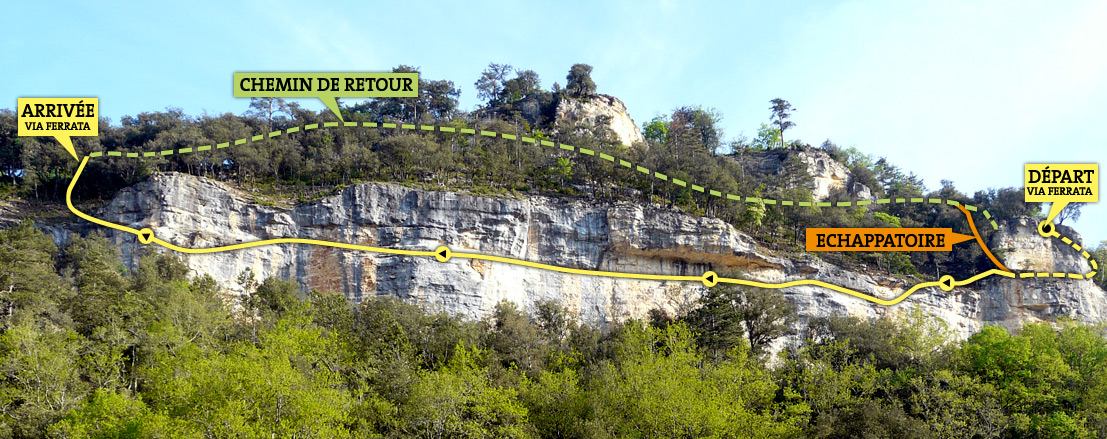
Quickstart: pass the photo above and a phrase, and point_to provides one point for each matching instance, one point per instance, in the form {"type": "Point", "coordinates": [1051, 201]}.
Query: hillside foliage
{"type": "Point", "coordinates": [92, 349]}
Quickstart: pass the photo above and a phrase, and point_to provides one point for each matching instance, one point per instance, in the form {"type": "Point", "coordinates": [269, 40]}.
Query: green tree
{"type": "Point", "coordinates": [39, 377]}
{"type": "Point", "coordinates": [460, 401]}
{"type": "Point", "coordinates": [659, 384]}
{"type": "Point", "coordinates": [715, 322]}
{"type": "Point", "coordinates": [280, 387]}
{"type": "Point", "coordinates": [268, 109]}
{"type": "Point", "coordinates": [514, 338]}
{"type": "Point", "coordinates": [781, 109]}
{"type": "Point", "coordinates": [107, 414]}
{"type": "Point", "coordinates": [30, 289]}
{"type": "Point", "coordinates": [276, 297]}
{"type": "Point", "coordinates": [766, 316]}
{"type": "Point", "coordinates": [579, 82]}
{"type": "Point", "coordinates": [656, 130]}
{"type": "Point", "coordinates": [490, 86]}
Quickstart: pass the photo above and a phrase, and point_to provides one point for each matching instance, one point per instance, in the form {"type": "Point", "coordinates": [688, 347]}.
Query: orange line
{"type": "Point", "coordinates": [981, 240]}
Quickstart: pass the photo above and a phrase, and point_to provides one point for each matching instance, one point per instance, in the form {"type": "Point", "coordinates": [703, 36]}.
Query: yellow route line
{"type": "Point", "coordinates": [613, 274]}
{"type": "Point", "coordinates": [837, 288]}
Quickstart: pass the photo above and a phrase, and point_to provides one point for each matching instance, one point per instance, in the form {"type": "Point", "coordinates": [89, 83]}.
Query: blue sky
{"type": "Point", "coordinates": [965, 91]}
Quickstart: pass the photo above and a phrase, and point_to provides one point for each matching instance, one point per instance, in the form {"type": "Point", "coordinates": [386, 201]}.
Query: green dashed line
{"type": "Point", "coordinates": [543, 143]}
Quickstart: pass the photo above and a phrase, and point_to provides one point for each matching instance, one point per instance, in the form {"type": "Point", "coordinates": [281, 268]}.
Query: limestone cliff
{"type": "Point", "coordinates": [196, 212]}
{"type": "Point", "coordinates": [602, 110]}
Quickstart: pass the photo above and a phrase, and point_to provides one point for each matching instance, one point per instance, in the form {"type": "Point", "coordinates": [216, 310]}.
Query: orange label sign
{"type": "Point", "coordinates": [882, 240]}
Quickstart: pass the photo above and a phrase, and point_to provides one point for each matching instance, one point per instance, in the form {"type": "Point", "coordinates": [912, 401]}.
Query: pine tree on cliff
{"type": "Point", "coordinates": [780, 117]}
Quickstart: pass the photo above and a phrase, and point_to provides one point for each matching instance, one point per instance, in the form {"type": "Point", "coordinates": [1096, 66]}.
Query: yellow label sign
{"type": "Point", "coordinates": [1060, 184]}
{"type": "Point", "coordinates": [1071, 183]}
{"type": "Point", "coordinates": [326, 86]}
{"type": "Point", "coordinates": [59, 117]}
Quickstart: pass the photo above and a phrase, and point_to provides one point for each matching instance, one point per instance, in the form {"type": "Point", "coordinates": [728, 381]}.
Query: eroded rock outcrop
{"type": "Point", "coordinates": [600, 110]}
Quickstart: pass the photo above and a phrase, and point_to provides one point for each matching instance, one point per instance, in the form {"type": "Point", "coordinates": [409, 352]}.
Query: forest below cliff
{"type": "Point", "coordinates": [90, 349]}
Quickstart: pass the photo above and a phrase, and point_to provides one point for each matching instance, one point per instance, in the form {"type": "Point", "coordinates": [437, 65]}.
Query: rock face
{"type": "Point", "coordinates": [198, 213]}
{"type": "Point", "coordinates": [827, 174]}
{"type": "Point", "coordinates": [598, 110]}
{"type": "Point", "coordinates": [1011, 303]}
